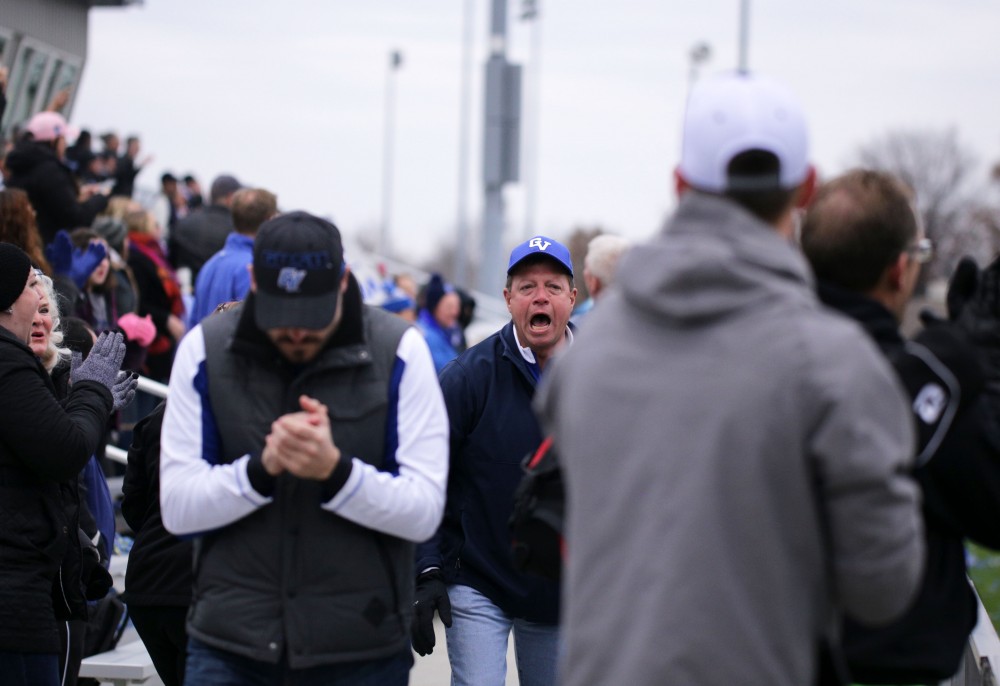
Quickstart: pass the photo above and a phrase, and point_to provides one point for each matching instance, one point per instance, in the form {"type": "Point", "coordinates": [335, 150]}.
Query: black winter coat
{"type": "Point", "coordinates": [960, 482]}
{"type": "Point", "coordinates": [43, 447]}
{"type": "Point", "coordinates": [51, 188]}
{"type": "Point", "coordinates": [159, 565]}
{"type": "Point", "coordinates": [198, 236]}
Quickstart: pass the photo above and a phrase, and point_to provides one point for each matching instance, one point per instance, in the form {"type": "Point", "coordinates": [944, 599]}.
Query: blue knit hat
{"type": "Point", "coordinates": [436, 289]}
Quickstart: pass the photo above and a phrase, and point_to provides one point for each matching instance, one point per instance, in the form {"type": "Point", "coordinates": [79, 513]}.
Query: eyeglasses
{"type": "Point", "coordinates": [922, 251]}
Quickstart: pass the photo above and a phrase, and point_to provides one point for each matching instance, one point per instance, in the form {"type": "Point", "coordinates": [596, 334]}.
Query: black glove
{"type": "Point", "coordinates": [962, 286]}
{"type": "Point", "coordinates": [979, 315]}
{"type": "Point", "coordinates": [103, 363]}
{"type": "Point", "coordinates": [431, 594]}
{"type": "Point", "coordinates": [974, 300]}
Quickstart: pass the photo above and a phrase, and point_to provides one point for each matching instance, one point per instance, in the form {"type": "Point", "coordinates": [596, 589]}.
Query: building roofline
{"type": "Point", "coordinates": [112, 3]}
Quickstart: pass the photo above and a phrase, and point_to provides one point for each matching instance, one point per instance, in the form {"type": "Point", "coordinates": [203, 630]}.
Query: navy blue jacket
{"type": "Point", "coordinates": [488, 390]}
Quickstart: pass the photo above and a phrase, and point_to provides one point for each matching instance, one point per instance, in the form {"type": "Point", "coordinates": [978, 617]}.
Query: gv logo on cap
{"type": "Point", "coordinates": [290, 279]}
{"type": "Point", "coordinates": [537, 242]}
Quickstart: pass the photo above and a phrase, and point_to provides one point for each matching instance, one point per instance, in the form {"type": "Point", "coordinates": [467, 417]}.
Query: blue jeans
{"type": "Point", "coordinates": [29, 669]}
{"type": "Point", "coordinates": [477, 643]}
{"type": "Point", "coordinates": [207, 666]}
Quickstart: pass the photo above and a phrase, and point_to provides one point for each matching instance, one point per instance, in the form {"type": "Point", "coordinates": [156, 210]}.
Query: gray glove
{"type": "Point", "coordinates": [124, 389]}
{"type": "Point", "coordinates": [103, 362]}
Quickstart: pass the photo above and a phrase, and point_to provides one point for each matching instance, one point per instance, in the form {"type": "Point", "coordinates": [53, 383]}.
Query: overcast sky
{"type": "Point", "coordinates": [290, 95]}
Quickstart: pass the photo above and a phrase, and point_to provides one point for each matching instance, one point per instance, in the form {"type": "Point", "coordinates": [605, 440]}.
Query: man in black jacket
{"type": "Point", "coordinates": [866, 246]}
{"type": "Point", "coordinates": [128, 167]}
{"type": "Point", "coordinates": [203, 233]}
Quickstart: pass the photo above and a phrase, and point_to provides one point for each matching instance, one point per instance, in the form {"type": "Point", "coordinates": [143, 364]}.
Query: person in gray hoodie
{"type": "Point", "coordinates": [735, 456]}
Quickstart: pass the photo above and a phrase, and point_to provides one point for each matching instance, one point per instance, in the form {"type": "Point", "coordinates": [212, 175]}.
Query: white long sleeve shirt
{"type": "Point", "coordinates": [198, 495]}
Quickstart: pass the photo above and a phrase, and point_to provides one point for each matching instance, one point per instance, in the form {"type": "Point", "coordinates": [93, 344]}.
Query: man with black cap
{"type": "Point", "coordinates": [466, 572]}
{"type": "Point", "coordinates": [735, 455]}
{"type": "Point", "coordinates": [305, 442]}
{"type": "Point", "coordinates": [203, 232]}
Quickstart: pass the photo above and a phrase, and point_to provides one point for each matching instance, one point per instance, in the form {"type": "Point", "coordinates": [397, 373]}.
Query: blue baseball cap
{"type": "Point", "coordinates": [541, 245]}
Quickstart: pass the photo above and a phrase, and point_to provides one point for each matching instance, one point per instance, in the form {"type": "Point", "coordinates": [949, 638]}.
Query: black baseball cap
{"type": "Point", "coordinates": [298, 261]}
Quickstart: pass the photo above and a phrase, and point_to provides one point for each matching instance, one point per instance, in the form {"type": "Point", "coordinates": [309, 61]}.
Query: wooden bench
{"type": "Point", "coordinates": [127, 664]}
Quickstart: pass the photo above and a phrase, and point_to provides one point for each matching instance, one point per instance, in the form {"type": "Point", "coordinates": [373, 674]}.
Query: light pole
{"type": "Point", "coordinates": [744, 38]}
{"type": "Point", "coordinates": [501, 144]}
{"type": "Point", "coordinates": [530, 12]}
{"type": "Point", "coordinates": [462, 248]}
{"type": "Point", "coordinates": [385, 240]}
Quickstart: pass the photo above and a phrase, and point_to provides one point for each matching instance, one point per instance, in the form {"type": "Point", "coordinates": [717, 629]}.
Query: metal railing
{"type": "Point", "coordinates": [113, 452]}
{"type": "Point", "coordinates": [981, 662]}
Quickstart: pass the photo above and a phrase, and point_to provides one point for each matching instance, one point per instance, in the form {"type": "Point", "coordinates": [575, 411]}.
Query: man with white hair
{"type": "Point", "coordinates": [599, 266]}
{"type": "Point", "coordinates": [735, 455]}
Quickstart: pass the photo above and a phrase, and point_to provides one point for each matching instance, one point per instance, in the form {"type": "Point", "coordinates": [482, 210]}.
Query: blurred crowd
{"type": "Point", "coordinates": [147, 266]}
{"type": "Point", "coordinates": [736, 410]}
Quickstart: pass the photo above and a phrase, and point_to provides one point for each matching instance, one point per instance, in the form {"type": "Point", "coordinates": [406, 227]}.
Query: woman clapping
{"type": "Point", "coordinates": [42, 444]}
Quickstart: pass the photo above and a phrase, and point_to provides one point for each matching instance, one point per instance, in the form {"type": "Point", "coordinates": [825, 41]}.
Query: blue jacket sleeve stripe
{"type": "Point", "coordinates": [210, 441]}
{"type": "Point", "coordinates": [390, 464]}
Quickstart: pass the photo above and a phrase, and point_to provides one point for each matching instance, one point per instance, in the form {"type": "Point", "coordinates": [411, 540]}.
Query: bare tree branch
{"type": "Point", "coordinates": [939, 169]}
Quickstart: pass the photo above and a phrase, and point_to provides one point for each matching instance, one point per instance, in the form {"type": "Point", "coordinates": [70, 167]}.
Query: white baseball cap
{"type": "Point", "coordinates": [733, 113]}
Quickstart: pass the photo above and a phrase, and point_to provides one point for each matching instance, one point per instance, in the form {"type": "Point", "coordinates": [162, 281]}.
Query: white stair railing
{"type": "Point", "coordinates": [113, 452]}
{"type": "Point", "coordinates": [981, 663]}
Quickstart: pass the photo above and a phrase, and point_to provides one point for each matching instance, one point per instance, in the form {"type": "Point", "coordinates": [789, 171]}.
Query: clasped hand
{"type": "Point", "coordinates": [301, 443]}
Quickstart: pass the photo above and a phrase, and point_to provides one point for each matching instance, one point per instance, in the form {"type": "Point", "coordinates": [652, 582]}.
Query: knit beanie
{"type": "Point", "coordinates": [113, 231]}
{"type": "Point", "coordinates": [14, 268]}
{"type": "Point", "coordinates": [436, 289]}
